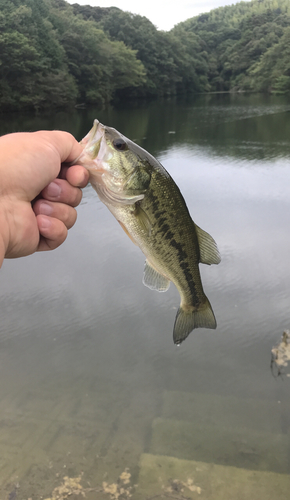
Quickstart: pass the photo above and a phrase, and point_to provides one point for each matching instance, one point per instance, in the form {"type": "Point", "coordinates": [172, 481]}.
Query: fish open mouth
{"type": "Point", "coordinates": [95, 152]}
{"type": "Point", "coordinates": [92, 141]}
{"type": "Point", "coordinates": [90, 135]}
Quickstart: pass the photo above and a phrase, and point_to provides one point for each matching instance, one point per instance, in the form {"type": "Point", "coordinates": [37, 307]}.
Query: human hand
{"type": "Point", "coordinates": [37, 193]}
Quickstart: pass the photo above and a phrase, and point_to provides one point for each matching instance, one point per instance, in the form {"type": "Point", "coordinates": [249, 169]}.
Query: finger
{"type": "Point", "coordinates": [53, 232]}
{"type": "Point", "coordinates": [65, 145]}
{"type": "Point", "coordinates": [60, 211]}
{"type": "Point", "coordinates": [63, 192]}
{"type": "Point", "coordinates": [76, 175]}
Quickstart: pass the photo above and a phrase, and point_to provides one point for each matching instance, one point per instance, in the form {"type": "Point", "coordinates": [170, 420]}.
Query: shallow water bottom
{"type": "Point", "coordinates": [65, 433]}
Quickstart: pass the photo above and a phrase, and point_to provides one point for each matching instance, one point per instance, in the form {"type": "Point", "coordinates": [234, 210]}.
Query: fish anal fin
{"type": "Point", "coordinates": [208, 249]}
{"type": "Point", "coordinates": [153, 279]}
{"type": "Point", "coordinates": [127, 232]}
{"type": "Point", "coordinates": [187, 320]}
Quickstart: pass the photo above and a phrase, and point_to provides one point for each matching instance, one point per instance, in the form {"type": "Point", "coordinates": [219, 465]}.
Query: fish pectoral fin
{"type": "Point", "coordinates": [143, 219]}
{"type": "Point", "coordinates": [186, 321]}
{"type": "Point", "coordinates": [153, 279]}
{"type": "Point", "coordinates": [209, 253]}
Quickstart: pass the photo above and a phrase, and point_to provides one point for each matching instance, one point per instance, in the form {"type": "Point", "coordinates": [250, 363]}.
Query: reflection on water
{"type": "Point", "coordinates": [91, 384]}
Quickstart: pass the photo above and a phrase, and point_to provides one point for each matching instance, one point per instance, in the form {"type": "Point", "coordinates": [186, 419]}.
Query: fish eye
{"type": "Point", "coordinates": [120, 145]}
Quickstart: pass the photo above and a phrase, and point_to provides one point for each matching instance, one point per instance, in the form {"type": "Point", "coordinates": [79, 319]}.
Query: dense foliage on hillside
{"type": "Point", "coordinates": [53, 54]}
{"type": "Point", "coordinates": [49, 57]}
{"type": "Point", "coordinates": [173, 64]}
{"type": "Point", "coordinates": [247, 45]}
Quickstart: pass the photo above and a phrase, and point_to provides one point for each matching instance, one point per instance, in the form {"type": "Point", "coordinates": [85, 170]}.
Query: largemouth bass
{"type": "Point", "coordinates": [149, 206]}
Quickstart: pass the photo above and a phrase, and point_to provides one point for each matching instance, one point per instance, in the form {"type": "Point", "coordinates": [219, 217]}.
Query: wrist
{"type": "Point", "coordinates": [2, 254]}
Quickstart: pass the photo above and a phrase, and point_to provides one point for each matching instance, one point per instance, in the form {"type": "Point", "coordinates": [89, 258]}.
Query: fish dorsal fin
{"type": "Point", "coordinates": [153, 279]}
{"type": "Point", "coordinates": [209, 253]}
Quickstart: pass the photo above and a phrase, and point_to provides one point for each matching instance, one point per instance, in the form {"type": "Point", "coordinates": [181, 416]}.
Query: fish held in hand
{"type": "Point", "coordinates": [150, 208]}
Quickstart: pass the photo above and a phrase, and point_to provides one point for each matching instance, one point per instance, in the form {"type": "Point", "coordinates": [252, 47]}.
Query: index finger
{"type": "Point", "coordinates": [76, 175]}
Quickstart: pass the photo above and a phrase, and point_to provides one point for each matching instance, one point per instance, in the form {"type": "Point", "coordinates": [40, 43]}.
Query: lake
{"type": "Point", "coordinates": [95, 398]}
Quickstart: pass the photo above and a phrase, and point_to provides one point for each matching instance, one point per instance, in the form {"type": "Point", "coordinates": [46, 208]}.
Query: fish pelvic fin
{"type": "Point", "coordinates": [186, 321]}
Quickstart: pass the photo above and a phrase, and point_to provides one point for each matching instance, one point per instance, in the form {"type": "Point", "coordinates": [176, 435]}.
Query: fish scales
{"type": "Point", "coordinates": [151, 209]}
{"type": "Point", "coordinates": [172, 244]}
{"type": "Point", "coordinates": [173, 238]}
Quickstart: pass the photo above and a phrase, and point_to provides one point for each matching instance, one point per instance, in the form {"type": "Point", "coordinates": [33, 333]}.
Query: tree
{"type": "Point", "coordinates": [99, 65]}
{"type": "Point", "coordinates": [272, 72]}
{"type": "Point", "coordinates": [32, 67]}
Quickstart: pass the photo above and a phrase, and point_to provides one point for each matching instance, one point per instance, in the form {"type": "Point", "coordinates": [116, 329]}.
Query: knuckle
{"type": "Point", "coordinates": [69, 217]}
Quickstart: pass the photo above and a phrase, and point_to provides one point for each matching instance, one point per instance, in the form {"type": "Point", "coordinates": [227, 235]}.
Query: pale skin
{"type": "Point", "coordinates": [38, 191]}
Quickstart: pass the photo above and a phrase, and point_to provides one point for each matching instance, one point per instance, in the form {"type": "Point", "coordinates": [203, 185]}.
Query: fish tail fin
{"type": "Point", "coordinates": [186, 321]}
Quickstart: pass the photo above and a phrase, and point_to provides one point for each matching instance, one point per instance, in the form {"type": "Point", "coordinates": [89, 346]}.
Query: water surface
{"type": "Point", "coordinates": [90, 379]}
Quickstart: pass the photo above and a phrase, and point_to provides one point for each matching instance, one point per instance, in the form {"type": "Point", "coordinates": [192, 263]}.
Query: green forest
{"type": "Point", "coordinates": [53, 54]}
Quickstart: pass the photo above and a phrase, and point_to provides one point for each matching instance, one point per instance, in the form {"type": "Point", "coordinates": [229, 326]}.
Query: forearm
{"type": "Point", "coordinates": [3, 237]}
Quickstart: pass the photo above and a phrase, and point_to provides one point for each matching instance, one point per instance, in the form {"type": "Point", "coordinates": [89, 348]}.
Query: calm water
{"type": "Point", "coordinates": [91, 382]}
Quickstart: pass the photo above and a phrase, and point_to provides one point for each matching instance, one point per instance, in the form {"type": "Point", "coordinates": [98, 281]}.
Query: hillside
{"type": "Point", "coordinates": [246, 45]}
{"type": "Point", "coordinates": [53, 54]}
